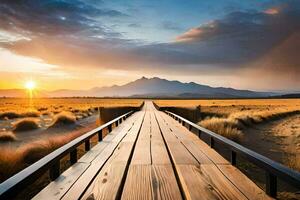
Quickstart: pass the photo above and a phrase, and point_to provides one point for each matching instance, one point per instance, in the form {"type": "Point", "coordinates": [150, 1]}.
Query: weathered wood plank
{"type": "Point", "coordinates": [81, 184]}
{"type": "Point", "coordinates": [138, 183]}
{"type": "Point", "coordinates": [243, 183]}
{"type": "Point", "coordinates": [94, 152]}
{"type": "Point", "coordinates": [159, 153]}
{"type": "Point", "coordinates": [206, 182]}
{"type": "Point", "coordinates": [142, 154]}
{"type": "Point", "coordinates": [151, 182]}
{"type": "Point", "coordinates": [179, 153]}
{"type": "Point", "coordinates": [188, 138]}
{"type": "Point", "coordinates": [214, 156]}
{"type": "Point", "coordinates": [197, 153]}
{"type": "Point", "coordinates": [164, 184]}
{"type": "Point", "coordinates": [107, 183]}
{"type": "Point", "coordinates": [56, 189]}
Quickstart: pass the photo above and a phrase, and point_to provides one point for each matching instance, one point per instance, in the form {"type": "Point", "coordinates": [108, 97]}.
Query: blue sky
{"type": "Point", "coordinates": [162, 21]}
{"type": "Point", "coordinates": [247, 44]}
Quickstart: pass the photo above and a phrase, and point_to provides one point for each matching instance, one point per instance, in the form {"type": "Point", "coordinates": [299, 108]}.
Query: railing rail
{"type": "Point", "coordinates": [272, 168]}
{"type": "Point", "coordinates": [51, 162]}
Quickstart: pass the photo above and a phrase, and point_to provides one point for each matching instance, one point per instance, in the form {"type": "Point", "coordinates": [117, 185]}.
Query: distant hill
{"type": "Point", "coordinates": [152, 87]}
{"type": "Point", "coordinates": [288, 96]}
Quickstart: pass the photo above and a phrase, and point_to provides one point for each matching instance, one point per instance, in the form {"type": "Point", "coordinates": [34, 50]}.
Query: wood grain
{"type": "Point", "coordinates": [56, 189]}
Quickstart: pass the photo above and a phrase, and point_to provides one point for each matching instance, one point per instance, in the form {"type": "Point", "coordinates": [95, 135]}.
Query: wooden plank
{"type": "Point", "coordinates": [107, 183]}
{"type": "Point", "coordinates": [197, 153]}
{"type": "Point", "coordinates": [138, 183]}
{"type": "Point", "coordinates": [243, 183]}
{"type": "Point", "coordinates": [179, 153]}
{"type": "Point", "coordinates": [94, 152]}
{"type": "Point", "coordinates": [159, 153]}
{"type": "Point", "coordinates": [164, 184]}
{"type": "Point", "coordinates": [142, 154]}
{"type": "Point", "coordinates": [56, 189]}
{"type": "Point", "coordinates": [188, 139]}
{"type": "Point", "coordinates": [214, 156]}
{"type": "Point", "coordinates": [206, 182]}
{"type": "Point", "coordinates": [81, 184]}
{"type": "Point", "coordinates": [151, 182]}
{"type": "Point", "coordinates": [97, 149]}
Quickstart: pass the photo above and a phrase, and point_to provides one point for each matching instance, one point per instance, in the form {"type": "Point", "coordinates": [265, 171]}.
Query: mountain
{"type": "Point", "coordinates": [157, 87]}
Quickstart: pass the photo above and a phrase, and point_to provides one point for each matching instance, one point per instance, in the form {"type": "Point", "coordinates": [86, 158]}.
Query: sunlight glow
{"type": "Point", "coordinates": [30, 85]}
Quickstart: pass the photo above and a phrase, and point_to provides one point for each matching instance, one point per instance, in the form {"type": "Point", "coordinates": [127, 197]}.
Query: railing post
{"type": "Point", "coordinates": [73, 156]}
{"type": "Point", "coordinates": [109, 128]}
{"type": "Point", "coordinates": [190, 127]}
{"type": "Point", "coordinates": [233, 157]}
{"type": "Point", "coordinates": [87, 145]}
{"type": "Point", "coordinates": [211, 142]}
{"type": "Point", "coordinates": [183, 123]}
{"type": "Point", "coordinates": [100, 135]}
{"type": "Point", "coordinates": [199, 134]}
{"type": "Point", "coordinates": [117, 123]}
{"type": "Point", "coordinates": [54, 171]}
{"type": "Point", "coordinates": [271, 184]}
{"type": "Point", "coordinates": [120, 120]}
{"type": "Point", "coordinates": [179, 120]}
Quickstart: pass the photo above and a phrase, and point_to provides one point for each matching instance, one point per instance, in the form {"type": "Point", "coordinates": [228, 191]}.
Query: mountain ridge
{"type": "Point", "coordinates": [148, 87]}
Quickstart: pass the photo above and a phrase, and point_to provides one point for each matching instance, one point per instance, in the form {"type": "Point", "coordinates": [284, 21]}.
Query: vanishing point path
{"type": "Point", "coordinates": [151, 156]}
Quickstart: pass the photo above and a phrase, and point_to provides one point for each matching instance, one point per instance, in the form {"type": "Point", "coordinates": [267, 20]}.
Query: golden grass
{"type": "Point", "coordinates": [62, 119]}
{"type": "Point", "coordinates": [14, 159]}
{"type": "Point", "coordinates": [232, 125]}
{"type": "Point", "coordinates": [7, 137]}
{"type": "Point", "coordinates": [229, 117]}
{"type": "Point", "coordinates": [293, 161]}
{"type": "Point", "coordinates": [224, 127]}
{"type": "Point", "coordinates": [230, 102]}
{"type": "Point", "coordinates": [26, 124]}
{"type": "Point", "coordinates": [19, 105]}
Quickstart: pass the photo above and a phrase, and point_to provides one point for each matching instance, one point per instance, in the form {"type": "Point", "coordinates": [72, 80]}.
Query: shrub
{"type": "Point", "coordinates": [7, 137]}
{"type": "Point", "coordinates": [232, 125]}
{"type": "Point", "coordinates": [9, 115]}
{"type": "Point", "coordinates": [62, 119]}
{"type": "Point", "coordinates": [26, 124]}
{"type": "Point", "coordinates": [224, 127]}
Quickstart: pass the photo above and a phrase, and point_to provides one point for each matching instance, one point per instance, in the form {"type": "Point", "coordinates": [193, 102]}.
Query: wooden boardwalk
{"type": "Point", "coordinates": [151, 156]}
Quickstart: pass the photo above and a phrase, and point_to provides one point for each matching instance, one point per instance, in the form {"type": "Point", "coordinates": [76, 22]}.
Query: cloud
{"type": "Point", "coordinates": [71, 34]}
{"type": "Point", "coordinates": [52, 17]}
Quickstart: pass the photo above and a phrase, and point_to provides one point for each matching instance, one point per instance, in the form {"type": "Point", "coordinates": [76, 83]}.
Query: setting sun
{"type": "Point", "coordinates": [30, 85]}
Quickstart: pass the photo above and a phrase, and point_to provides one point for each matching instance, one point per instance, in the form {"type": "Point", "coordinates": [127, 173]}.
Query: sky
{"type": "Point", "coordinates": [81, 44]}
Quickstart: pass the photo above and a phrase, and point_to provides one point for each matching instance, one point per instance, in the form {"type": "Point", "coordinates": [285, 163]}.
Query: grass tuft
{"type": "Point", "coordinates": [62, 119]}
{"type": "Point", "coordinates": [232, 125]}
{"type": "Point", "coordinates": [9, 115]}
{"type": "Point", "coordinates": [7, 137]}
{"type": "Point", "coordinates": [26, 124]}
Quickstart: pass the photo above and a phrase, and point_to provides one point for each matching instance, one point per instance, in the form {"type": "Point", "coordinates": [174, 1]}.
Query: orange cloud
{"type": "Point", "coordinates": [189, 35]}
{"type": "Point", "coordinates": [272, 11]}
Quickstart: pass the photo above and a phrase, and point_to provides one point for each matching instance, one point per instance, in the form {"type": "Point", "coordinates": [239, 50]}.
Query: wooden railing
{"type": "Point", "coordinates": [271, 168]}
{"type": "Point", "coordinates": [51, 162]}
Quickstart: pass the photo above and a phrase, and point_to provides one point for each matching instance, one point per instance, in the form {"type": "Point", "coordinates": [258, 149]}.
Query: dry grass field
{"type": "Point", "coordinates": [270, 126]}
{"type": "Point", "coordinates": [30, 130]}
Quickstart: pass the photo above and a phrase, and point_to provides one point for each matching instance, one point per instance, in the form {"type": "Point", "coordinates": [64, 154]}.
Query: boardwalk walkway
{"type": "Point", "coordinates": [151, 156]}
